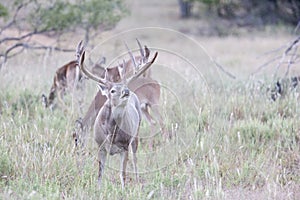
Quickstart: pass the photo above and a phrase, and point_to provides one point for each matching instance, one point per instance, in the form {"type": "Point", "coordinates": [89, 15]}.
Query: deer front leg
{"type": "Point", "coordinates": [101, 159]}
{"type": "Point", "coordinates": [134, 145]}
{"type": "Point", "coordinates": [124, 158]}
{"type": "Point", "coordinates": [60, 97]}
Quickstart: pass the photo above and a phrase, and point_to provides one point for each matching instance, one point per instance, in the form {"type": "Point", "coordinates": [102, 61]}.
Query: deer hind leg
{"type": "Point", "coordinates": [101, 159]}
{"type": "Point", "coordinates": [134, 145]}
{"type": "Point", "coordinates": [152, 121]}
{"type": "Point", "coordinates": [156, 112]}
{"type": "Point", "coordinates": [124, 159]}
{"type": "Point", "coordinates": [145, 110]}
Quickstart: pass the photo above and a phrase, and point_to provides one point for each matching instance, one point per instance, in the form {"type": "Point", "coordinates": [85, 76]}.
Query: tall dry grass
{"type": "Point", "coordinates": [230, 136]}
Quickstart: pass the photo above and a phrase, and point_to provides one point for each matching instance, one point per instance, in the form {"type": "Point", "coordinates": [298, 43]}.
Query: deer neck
{"type": "Point", "coordinates": [126, 116]}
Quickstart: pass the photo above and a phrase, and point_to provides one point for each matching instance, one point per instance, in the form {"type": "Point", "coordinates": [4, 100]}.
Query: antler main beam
{"type": "Point", "coordinates": [80, 54]}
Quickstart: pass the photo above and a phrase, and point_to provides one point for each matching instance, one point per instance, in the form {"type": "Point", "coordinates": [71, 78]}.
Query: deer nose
{"type": "Point", "coordinates": [125, 92]}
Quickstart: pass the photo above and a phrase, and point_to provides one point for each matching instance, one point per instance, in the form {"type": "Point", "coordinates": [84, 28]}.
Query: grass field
{"type": "Point", "coordinates": [231, 141]}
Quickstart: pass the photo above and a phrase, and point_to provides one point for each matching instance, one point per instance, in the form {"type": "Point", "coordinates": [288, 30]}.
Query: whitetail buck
{"type": "Point", "coordinates": [68, 77]}
{"type": "Point", "coordinates": [117, 123]}
{"type": "Point", "coordinates": [147, 90]}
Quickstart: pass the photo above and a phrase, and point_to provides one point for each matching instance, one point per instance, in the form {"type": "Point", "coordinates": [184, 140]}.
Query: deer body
{"type": "Point", "coordinates": [116, 127]}
{"type": "Point", "coordinates": [148, 93]}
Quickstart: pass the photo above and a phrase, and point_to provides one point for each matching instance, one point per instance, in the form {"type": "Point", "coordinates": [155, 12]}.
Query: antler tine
{"type": "Point", "coordinates": [79, 50]}
{"type": "Point", "coordinates": [123, 70]}
{"type": "Point", "coordinates": [141, 49]}
{"type": "Point", "coordinates": [147, 54]}
{"type": "Point", "coordinates": [120, 70]}
{"type": "Point", "coordinates": [80, 54]}
{"type": "Point", "coordinates": [132, 57]}
{"type": "Point", "coordinates": [143, 69]}
{"type": "Point", "coordinates": [103, 60]}
{"type": "Point", "coordinates": [105, 74]}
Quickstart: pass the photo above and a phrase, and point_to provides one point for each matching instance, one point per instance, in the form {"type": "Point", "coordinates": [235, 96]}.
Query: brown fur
{"type": "Point", "coordinates": [64, 78]}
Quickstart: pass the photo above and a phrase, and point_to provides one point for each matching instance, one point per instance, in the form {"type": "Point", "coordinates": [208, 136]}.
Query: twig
{"type": "Point", "coordinates": [271, 52]}
{"type": "Point", "coordinates": [223, 70]}
{"type": "Point", "coordinates": [291, 61]}
{"type": "Point", "coordinates": [293, 56]}
{"type": "Point", "coordinates": [13, 21]}
{"type": "Point", "coordinates": [27, 35]}
{"type": "Point", "coordinates": [265, 65]}
{"type": "Point", "coordinates": [292, 45]}
{"type": "Point", "coordinates": [297, 27]}
{"type": "Point", "coordinates": [6, 55]}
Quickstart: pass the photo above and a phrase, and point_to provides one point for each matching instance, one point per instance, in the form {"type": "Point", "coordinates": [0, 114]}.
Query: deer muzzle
{"type": "Point", "coordinates": [125, 93]}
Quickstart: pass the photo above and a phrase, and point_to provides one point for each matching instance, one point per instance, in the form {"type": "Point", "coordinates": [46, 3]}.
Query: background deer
{"type": "Point", "coordinates": [146, 89]}
{"type": "Point", "coordinates": [284, 86]}
{"type": "Point", "coordinates": [130, 65]}
{"type": "Point", "coordinates": [66, 78]}
{"type": "Point", "coordinates": [117, 123]}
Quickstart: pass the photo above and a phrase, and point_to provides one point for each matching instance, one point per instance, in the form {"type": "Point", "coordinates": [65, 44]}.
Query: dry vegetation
{"type": "Point", "coordinates": [232, 141]}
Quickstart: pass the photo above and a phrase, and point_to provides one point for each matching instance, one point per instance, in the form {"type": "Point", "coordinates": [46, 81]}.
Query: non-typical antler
{"type": "Point", "coordinates": [144, 54]}
{"type": "Point", "coordinates": [140, 69]}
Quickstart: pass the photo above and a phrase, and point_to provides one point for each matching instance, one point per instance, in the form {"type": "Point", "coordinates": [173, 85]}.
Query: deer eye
{"type": "Point", "coordinates": [112, 91]}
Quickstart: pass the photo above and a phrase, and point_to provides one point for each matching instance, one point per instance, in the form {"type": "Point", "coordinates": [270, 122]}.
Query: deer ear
{"type": "Point", "coordinates": [103, 89]}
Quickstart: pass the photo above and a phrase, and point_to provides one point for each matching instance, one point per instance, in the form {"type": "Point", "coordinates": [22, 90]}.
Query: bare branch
{"type": "Point", "coordinates": [292, 45]}
{"type": "Point", "coordinates": [265, 65]}
{"type": "Point", "coordinates": [271, 52]}
{"type": "Point", "coordinates": [291, 61]}
{"type": "Point", "coordinates": [7, 54]}
{"type": "Point", "coordinates": [131, 56]}
{"type": "Point", "coordinates": [288, 56]}
{"type": "Point", "coordinates": [13, 21]}
{"type": "Point", "coordinates": [27, 35]}
{"type": "Point", "coordinates": [223, 70]}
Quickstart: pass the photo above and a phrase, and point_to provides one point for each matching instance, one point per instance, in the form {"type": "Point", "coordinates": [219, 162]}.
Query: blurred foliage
{"type": "Point", "coordinates": [64, 15]}
{"type": "Point", "coordinates": [54, 18]}
{"type": "Point", "coordinates": [61, 15]}
{"type": "Point", "coordinates": [3, 11]}
{"type": "Point", "coordinates": [257, 11]}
